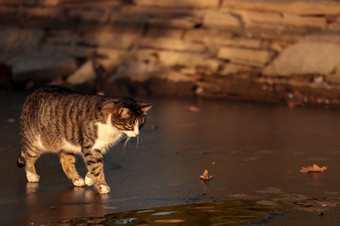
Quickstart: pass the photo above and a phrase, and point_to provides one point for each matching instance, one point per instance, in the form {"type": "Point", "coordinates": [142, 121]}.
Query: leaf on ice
{"type": "Point", "coordinates": [205, 176]}
{"type": "Point", "coordinates": [313, 169]}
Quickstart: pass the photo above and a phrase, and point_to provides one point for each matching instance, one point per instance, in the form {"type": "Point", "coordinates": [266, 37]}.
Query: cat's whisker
{"type": "Point", "coordinates": [122, 138]}
{"type": "Point", "coordinates": [137, 142]}
{"type": "Point", "coordinates": [125, 143]}
{"type": "Point", "coordinates": [141, 140]}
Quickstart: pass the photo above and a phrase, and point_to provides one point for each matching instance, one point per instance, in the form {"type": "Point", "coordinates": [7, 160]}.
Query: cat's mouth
{"type": "Point", "coordinates": [132, 133]}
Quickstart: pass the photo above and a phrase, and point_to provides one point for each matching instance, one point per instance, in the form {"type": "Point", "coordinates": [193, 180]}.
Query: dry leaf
{"type": "Point", "coordinates": [205, 176]}
{"type": "Point", "coordinates": [313, 169]}
{"type": "Point", "coordinates": [192, 109]}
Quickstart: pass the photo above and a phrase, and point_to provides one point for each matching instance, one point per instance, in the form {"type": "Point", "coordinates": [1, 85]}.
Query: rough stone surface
{"type": "Point", "coordinates": [256, 58]}
{"type": "Point", "coordinates": [170, 44]}
{"type": "Point", "coordinates": [180, 60]}
{"type": "Point", "coordinates": [90, 15]}
{"type": "Point", "coordinates": [36, 12]}
{"type": "Point", "coordinates": [305, 57]}
{"type": "Point", "coordinates": [218, 43]}
{"type": "Point", "coordinates": [212, 37]}
{"type": "Point", "coordinates": [84, 77]}
{"type": "Point", "coordinates": [213, 18]}
{"type": "Point", "coordinates": [165, 32]}
{"type": "Point", "coordinates": [334, 77]}
{"type": "Point", "coordinates": [184, 23]}
{"type": "Point", "coordinates": [15, 41]}
{"type": "Point", "coordinates": [41, 66]}
{"type": "Point", "coordinates": [63, 37]}
{"type": "Point", "coordinates": [72, 50]}
{"type": "Point", "coordinates": [141, 72]}
{"type": "Point", "coordinates": [183, 3]}
{"type": "Point", "coordinates": [110, 58]}
{"type": "Point", "coordinates": [111, 39]}
{"type": "Point", "coordinates": [295, 7]}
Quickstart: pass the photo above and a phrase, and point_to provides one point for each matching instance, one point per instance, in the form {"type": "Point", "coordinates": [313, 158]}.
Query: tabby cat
{"type": "Point", "coordinates": [60, 120]}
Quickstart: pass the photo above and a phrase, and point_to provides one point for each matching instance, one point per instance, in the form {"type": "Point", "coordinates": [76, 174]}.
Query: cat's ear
{"type": "Point", "coordinates": [145, 107]}
{"type": "Point", "coordinates": [124, 112]}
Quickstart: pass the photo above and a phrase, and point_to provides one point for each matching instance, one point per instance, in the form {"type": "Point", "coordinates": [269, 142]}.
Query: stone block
{"type": "Point", "coordinates": [41, 66]}
{"type": "Point", "coordinates": [256, 58]}
{"type": "Point", "coordinates": [161, 11]}
{"type": "Point", "coordinates": [119, 39]}
{"type": "Point", "coordinates": [298, 21]}
{"type": "Point", "coordinates": [250, 18]}
{"type": "Point", "coordinates": [91, 5]}
{"type": "Point", "coordinates": [84, 77]}
{"type": "Point", "coordinates": [15, 41]}
{"type": "Point", "coordinates": [275, 32]}
{"type": "Point", "coordinates": [37, 12]}
{"type": "Point", "coordinates": [189, 60]}
{"type": "Point", "coordinates": [133, 21]}
{"type": "Point", "coordinates": [110, 58]}
{"type": "Point", "coordinates": [170, 44]}
{"type": "Point", "coordinates": [179, 4]}
{"type": "Point", "coordinates": [231, 69]}
{"type": "Point", "coordinates": [49, 3]}
{"type": "Point", "coordinates": [90, 15]}
{"type": "Point", "coordinates": [7, 10]}
{"type": "Point", "coordinates": [334, 77]}
{"type": "Point", "coordinates": [72, 50]}
{"type": "Point", "coordinates": [165, 32]}
{"type": "Point", "coordinates": [213, 37]}
{"type": "Point", "coordinates": [293, 7]}
{"type": "Point", "coordinates": [184, 23]}
{"type": "Point", "coordinates": [221, 19]}
{"type": "Point", "coordinates": [69, 37]}
{"type": "Point", "coordinates": [286, 19]}
{"type": "Point", "coordinates": [305, 57]}
{"type": "Point", "coordinates": [11, 2]}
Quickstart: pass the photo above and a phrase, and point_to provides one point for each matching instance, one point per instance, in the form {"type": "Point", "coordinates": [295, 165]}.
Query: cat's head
{"type": "Point", "coordinates": [128, 115]}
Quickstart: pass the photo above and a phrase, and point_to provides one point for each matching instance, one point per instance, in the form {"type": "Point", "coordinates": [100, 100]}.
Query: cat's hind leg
{"type": "Point", "coordinates": [28, 157]}
{"type": "Point", "coordinates": [67, 161]}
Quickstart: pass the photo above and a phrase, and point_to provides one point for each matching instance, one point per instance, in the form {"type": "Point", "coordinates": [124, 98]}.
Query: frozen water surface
{"type": "Point", "coordinates": [250, 149]}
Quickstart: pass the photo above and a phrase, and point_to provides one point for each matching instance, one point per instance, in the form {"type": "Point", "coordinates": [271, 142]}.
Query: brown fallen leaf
{"type": "Point", "coordinates": [205, 176]}
{"type": "Point", "coordinates": [313, 169]}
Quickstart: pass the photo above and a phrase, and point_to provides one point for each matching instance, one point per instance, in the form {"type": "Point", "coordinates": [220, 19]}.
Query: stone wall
{"type": "Point", "coordinates": [273, 51]}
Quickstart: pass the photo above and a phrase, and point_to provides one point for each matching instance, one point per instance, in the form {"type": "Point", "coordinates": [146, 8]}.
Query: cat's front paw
{"type": "Point", "coordinates": [104, 189]}
{"type": "Point", "coordinates": [88, 180]}
{"type": "Point", "coordinates": [31, 177]}
{"type": "Point", "coordinates": [79, 183]}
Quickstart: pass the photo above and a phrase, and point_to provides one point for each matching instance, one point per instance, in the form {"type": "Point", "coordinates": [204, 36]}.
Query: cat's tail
{"type": "Point", "coordinates": [21, 161]}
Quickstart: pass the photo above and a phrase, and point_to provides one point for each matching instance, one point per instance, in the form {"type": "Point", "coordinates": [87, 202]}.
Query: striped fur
{"type": "Point", "coordinates": [60, 120]}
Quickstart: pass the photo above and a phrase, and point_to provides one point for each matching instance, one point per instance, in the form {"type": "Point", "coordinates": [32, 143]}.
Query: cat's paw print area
{"type": "Point", "coordinates": [88, 180]}
{"type": "Point", "coordinates": [79, 183]}
{"type": "Point", "coordinates": [31, 177]}
{"type": "Point", "coordinates": [104, 189]}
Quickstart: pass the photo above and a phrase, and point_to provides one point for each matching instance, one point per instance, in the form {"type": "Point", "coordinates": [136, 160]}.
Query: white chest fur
{"type": "Point", "coordinates": [107, 135]}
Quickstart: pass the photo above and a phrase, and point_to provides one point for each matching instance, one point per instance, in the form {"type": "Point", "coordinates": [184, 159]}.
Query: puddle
{"type": "Point", "coordinates": [229, 212]}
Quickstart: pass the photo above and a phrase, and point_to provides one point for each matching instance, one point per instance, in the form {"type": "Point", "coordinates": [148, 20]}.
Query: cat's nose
{"type": "Point", "coordinates": [136, 130]}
